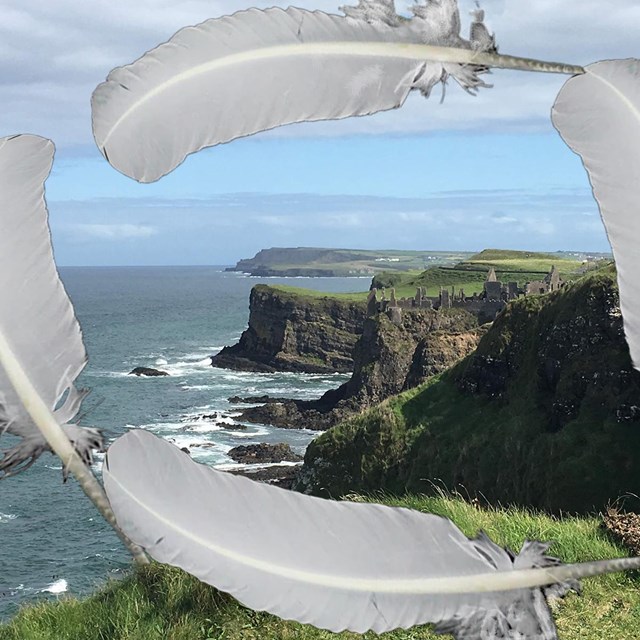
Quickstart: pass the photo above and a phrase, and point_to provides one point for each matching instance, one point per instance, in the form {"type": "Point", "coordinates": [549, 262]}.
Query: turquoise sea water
{"type": "Point", "coordinates": [51, 538]}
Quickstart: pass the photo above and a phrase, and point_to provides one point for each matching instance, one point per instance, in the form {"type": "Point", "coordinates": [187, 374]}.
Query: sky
{"type": "Point", "coordinates": [465, 174]}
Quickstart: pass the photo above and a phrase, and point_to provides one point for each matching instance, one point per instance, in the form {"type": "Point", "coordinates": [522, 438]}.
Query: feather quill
{"type": "Point", "coordinates": [41, 348]}
{"type": "Point", "coordinates": [335, 565]}
{"type": "Point", "coordinates": [255, 70]}
{"type": "Point", "coordinates": [598, 116]}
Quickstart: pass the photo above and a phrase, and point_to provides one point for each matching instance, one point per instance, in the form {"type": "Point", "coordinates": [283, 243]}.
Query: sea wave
{"type": "Point", "coordinates": [227, 466]}
{"type": "Point", "coordinates": [7, 517]}
{"type": "Point", "coordinates": [260, 431]}
{"type": "Point", "coordinates": [57, 587]}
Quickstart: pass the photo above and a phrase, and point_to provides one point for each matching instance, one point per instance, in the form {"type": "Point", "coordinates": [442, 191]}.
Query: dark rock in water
{"type": "Point", "coordinates": [263, 453]}
{"type": "Point", "coordinates": [280, 476]}
{"type": "Point", "coordinates": [186, 450]}
{"type": "Point", "coordinates": [215, 418]}
{"type": "Point", "coordinates": [256, 399]}
{"type": "Point", "coordinates": [294, 414]}
{"type": "Point", "coordinates": [231, 427]}
{"type": "Point", "coordinates": [147, 371]}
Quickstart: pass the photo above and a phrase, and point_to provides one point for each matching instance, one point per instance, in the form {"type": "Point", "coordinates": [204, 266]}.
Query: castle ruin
{"type": "Point", "coordinates": [485, 305]}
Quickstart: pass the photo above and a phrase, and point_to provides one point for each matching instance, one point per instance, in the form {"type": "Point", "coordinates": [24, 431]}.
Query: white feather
{"type": "Point", "coordinates": [41, 348]}
{"type": "Point", "coordinates": [237, 75]}
{"type": "Point", "coordinates": [598, 115]}
{"type": "Point", "coordinates": [336, 565]}
{"type": "Point", "coordinates": [37, 318]}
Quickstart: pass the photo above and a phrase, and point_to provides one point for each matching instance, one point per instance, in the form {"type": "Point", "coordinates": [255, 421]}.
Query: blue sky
{"type": "Point", "coordinates": [474, 172]}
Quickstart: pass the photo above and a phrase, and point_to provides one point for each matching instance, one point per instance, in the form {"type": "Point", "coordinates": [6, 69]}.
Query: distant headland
{"type": "Point", "coordinates": [321, 262]}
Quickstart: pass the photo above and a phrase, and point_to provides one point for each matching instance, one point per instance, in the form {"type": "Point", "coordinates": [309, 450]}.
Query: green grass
{"type": "Point", "coordinates": [502, 423]}
{"type": "Point", "coordinates": [356, 296]}
{"type": "Point", "coordinates": [163, 603]}
{"type": "Point", "coordinates": [469, 274]}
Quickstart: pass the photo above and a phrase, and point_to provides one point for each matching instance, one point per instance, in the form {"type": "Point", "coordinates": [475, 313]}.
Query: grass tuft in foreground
{"type": "Point", "coordinates": [162, 603]}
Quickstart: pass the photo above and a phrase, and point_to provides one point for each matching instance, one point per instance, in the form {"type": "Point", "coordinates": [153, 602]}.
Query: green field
{"type": "Point", "coordinates": [163, 603]}
{"type": "Point", "coordinates": [300, 292]}
{"type": "Point", "coordinates": [470, 274]}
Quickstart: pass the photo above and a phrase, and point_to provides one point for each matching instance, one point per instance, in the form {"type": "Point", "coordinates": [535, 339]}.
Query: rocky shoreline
{"type": "Point", "coordinates": [388, 359]}
{"type": "Point", "coordinates": [286, 331]}
{"type": "Point", "coordinates": [282, 476]}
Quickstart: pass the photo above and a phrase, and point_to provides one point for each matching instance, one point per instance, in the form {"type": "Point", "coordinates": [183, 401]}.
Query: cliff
{"type": "Point", "coordinates": [293, 332]}
{"type": "Point", "coordinates": [545, 413]}
{"type": "Point", "coordinates": [316, 262]}
{"type": "Point", "coordinates": [387, 359]}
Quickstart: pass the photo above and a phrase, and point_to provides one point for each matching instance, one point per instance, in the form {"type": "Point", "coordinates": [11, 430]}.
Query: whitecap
{"type": "Point", "coordinates": [226, 466]}
{"type": "Point", "coordinates": [196, 443]}
{"type": "Point", "coordinates": [161, 361]}
{"type": "Point", "coordinates": [57, 587]}
{"type": "Point", "coordinates": [187, 367]}
{"type": "Point", "coordinates": [202, 427]}
{"type": "Point", "coordinates": [7, 517]}
{"type": "Point", "coordinates": [110, 374]}
{"type": "Point", "coordinates": [161, 428]}
{"type": "Point", "coordinates": [198, 387]}
{"type": "Point", "coordinates": [250, 434]}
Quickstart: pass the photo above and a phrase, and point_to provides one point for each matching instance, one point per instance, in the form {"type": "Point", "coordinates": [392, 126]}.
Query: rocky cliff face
{"type": "Point", "coordinates": [545, 413]}
{"type": "Point", "coordinates": [290, 332]}
{"type": "Point", "coordinates": [387, 359]}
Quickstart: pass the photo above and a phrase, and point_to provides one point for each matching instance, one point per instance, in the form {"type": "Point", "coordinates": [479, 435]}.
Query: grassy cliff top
{"type": "Point", "coordinates": [160, 603]}
{"type": "Point", "coordinates": [311, 296]}
{"type": "Point", "coordinates": [468, 274]}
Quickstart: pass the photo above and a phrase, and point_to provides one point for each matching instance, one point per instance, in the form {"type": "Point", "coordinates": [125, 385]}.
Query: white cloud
{"type": "Point", "coordinates": [53, 54]}
{"type": "Point", "coordinates": [112, 231]}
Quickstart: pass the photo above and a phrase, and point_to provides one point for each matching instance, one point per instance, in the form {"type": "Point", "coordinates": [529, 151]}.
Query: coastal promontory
{"type": "Point", "coordinates": [296, 330]}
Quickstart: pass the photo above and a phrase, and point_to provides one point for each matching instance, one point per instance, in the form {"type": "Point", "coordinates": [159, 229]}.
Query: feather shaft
{"type": "Point", "coordinates": [335, 565]}
{"type": "Point", "coordinates": [41, 348]}
{"type": "Point", "coordinates": [259, 69]}
{"type": "Point", "coordinates": [60, 443]}
{"type": "Point", "coordinates": [400, 50]}
{"type": "Point", "coordinates": [598, 117]}
{"type": "Point", "coordinates": [480, 583]}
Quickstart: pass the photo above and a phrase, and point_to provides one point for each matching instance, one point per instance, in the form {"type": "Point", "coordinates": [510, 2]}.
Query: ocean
{"type": "Point", "coordinates": [52, 541]}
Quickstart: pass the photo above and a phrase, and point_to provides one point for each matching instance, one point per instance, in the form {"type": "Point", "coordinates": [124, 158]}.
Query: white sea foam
{"type": "Point", "coordinates": [202, 427]}
{"type": "Point", "coordinates": [226, 466]}
{"type": "Point", "coordinates": [199, 387]}
{"type": "Point", "coordinates": [111, 374]}
{"type": "Point", "coordinates": [57, 587]}
{"type": "Point", "coordinates": [197, 443]}
{"type": "Point", "coordinates": [162, 426]}
{"type": "Point", "coordinates": [161, 361]}
{"type": "Point", "coordinates": [188, 366]}
{"type": "Point", "coordinates": [7, 517]}
{"type": "Point", "coordinates": [20, 589]}
{"type": "Point", "coordinates": [261, 431]}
